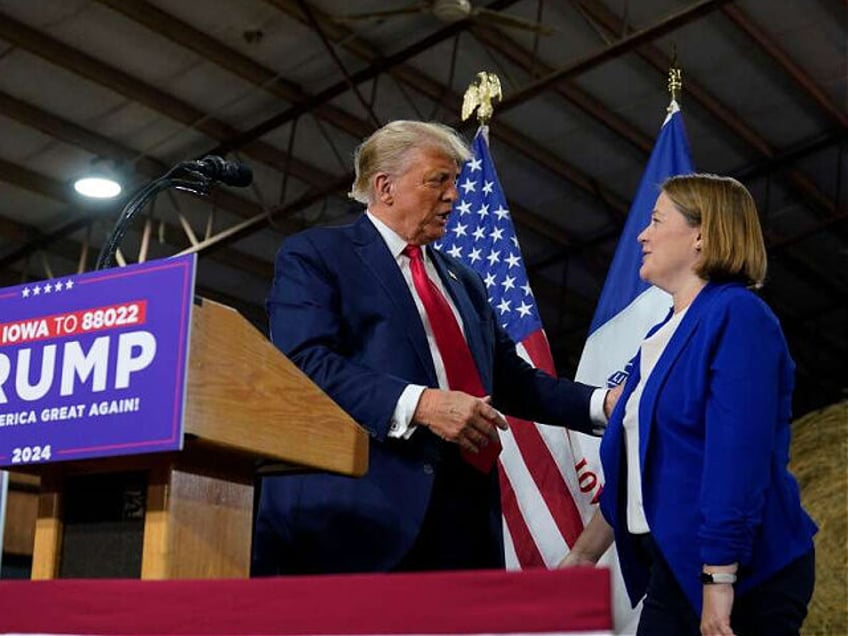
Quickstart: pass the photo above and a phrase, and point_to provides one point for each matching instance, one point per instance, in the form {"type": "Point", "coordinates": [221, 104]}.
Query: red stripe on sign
{"type": "Point", "coordinates": [486, 602]}
{"type": "Point", "coordinates": [118, 316]}
{"type": "Point", "coordinates": [525, 547]}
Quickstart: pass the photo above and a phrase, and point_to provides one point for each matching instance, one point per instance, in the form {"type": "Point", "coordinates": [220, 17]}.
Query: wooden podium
{"type": "Point", "coordinates": [188, 514]}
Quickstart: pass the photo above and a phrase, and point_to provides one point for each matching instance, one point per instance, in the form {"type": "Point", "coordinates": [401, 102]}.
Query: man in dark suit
{"type": "Point", "coordinates": [402, 337]}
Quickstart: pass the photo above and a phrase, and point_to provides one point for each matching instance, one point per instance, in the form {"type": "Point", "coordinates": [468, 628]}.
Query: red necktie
{"type": "Point", "coordinates": [460, 368]}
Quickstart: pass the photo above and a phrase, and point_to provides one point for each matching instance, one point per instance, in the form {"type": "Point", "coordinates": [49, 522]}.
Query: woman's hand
{"type": "Point", "coordinates": [575, 559]}
{"type": "Point", "coordinates": [715, 617]}
{"type": "Point", "coordinates": [590, 546]}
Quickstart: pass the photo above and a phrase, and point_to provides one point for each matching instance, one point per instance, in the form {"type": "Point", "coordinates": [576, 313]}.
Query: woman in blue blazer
{"type": "Point", "coordinates": [706, 517]}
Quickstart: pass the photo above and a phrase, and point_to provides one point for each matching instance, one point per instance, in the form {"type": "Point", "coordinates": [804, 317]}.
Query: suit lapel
{"type": "Point", "coordinates": [379, 262]}
{"type": "Point", "coordinates": [672, 351]}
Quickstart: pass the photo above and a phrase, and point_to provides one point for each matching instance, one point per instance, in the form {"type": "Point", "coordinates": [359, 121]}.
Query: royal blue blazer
{"type": "Point", "coordinates": [714, 433]}
{"type": "Point", "coordinates": [341, 310]}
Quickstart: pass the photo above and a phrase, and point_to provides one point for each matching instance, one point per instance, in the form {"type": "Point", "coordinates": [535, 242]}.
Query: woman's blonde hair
{"type": "Point", "coordinates": [386, 150]}
{"type": "Point", "coordinates": [732, 246]}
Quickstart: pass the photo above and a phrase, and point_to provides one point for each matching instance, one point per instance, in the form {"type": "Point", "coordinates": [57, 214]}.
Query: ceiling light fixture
{"type": "Point", "coordinates": [99, 183]}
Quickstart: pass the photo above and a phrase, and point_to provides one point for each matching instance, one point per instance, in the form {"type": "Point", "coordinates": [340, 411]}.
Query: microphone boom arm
{"type": "Point", "coordinates": [188, 176]}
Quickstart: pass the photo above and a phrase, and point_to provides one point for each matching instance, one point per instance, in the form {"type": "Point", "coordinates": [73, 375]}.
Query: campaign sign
{"type": "Point", "coordinates": [94, 365]}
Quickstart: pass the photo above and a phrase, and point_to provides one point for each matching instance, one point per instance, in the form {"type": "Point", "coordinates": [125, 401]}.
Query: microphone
{"type": "Point", "coordinates": [231, 173]}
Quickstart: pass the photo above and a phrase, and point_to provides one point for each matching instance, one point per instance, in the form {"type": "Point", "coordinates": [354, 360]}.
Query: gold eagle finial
{"type": "Point", "coordinates": [480, 94]}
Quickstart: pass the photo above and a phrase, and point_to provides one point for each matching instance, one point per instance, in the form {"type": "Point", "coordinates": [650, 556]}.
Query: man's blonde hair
{"type": "Point", "coordinates": [386, 150]}
{"type": "Point", "coordinates": [732, 246]}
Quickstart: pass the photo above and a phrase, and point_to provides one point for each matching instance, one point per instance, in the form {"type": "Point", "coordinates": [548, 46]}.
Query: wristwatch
{"type": "Point", "coordinates": [709, 578]}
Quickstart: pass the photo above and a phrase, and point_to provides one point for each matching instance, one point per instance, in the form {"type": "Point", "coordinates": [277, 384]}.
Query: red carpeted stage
{"type": "Point", "coordinates": [565, 601]}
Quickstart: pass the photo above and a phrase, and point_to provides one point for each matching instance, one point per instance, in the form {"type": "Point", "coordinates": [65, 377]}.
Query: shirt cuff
{"type": "Point", "coordinates": [596, 411]}
{"type": "Point", "coordinates": [401, 426]}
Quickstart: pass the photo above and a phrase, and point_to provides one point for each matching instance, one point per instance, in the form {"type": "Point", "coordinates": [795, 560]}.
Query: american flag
{"type": "Point", "coordinates": [538, 471]}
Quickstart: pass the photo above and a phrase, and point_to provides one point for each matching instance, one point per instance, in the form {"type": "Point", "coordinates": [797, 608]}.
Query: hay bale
{"type": "Point", "coordinates": [820, 462]}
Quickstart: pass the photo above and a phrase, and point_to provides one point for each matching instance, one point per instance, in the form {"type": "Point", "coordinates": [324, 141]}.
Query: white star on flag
{"type": "Point", "coordinates": [524, 308]}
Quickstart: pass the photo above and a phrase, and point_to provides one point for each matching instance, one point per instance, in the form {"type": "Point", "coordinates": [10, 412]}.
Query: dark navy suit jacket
{"type": "Point", "coordinates": [714, 432]}
{"type": "Point", "coordinates": [342, 311]}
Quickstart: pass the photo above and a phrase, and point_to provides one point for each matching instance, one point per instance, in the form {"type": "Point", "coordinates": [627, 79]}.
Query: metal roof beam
{"type": "Point", "coordinates": [782, 59]}
{"type": "Point", "coordinates": [621, 47]}
{"type": "Point", "coordinates": [84, 65]}
{"type": "Point", "coordinates": [570, 91]}
{"type": "Point", "coordinates": [184, 35]}
{"type": "Point", "coordinates": [381, 65]}
{"type": "Point", "coordinates": [661, 62]}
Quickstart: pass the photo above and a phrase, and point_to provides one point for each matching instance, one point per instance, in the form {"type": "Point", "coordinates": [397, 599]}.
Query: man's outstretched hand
{"type": "Point", "coordinates": [460, 418]}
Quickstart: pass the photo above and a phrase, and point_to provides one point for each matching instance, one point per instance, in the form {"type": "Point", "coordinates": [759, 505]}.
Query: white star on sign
{"type": "Point", "coordinates": [474, 255]}
{"type": "Point", "coordinates": [490, 281]}
{"type": "Point", "coordinates": [513, 260]}
{"type": "Point", "coordinates": [455, 251]}
{"type": "Point", "coordinates": [494, 257]}
{"type": "Point", "coordinates": [469, 186]}
{"type": "Point", "coordinates": [479, 233]}
{"type": "Point", "coordinates": [497, 234]}
{"type": "Point", "coordinates": [509, 283]}
{"type": "Point", "coordinates": [475, 164]}
{"type": "Point", "coordinates": [504, 306]}
{"type": "Point", "coordinates": [501, 213]}
{"type": "Point", "coordinates": [464, 208]}
{"type": "Point", "coordinates": [459, 230]}
{"type": "Point", "coordinates": [483, 211]}
{"type": "Point", "coordinates": [487, 187]}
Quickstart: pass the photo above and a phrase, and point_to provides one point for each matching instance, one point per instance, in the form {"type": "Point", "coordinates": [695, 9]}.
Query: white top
{"type": "Point", "coordinates": [401, 424]}
{"type": "Point", "coordinates": [652, 349]}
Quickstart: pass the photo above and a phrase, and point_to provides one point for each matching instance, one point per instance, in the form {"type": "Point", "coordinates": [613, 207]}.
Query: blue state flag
{"type": "Point", "coordinates": [627, 309]}
{"type": "Point", "coordinates": [628, 306]}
